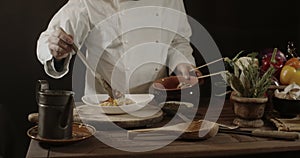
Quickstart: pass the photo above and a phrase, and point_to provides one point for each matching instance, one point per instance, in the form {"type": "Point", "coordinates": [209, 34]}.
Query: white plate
{"type": "Point", "coordinates": [140, 101]}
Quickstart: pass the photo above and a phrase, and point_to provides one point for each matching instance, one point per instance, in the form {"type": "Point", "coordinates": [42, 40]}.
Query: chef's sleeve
{"type": "Point", "coordinates": [73, 18]}
{"type": "Point", "coordinates": [180, 50]}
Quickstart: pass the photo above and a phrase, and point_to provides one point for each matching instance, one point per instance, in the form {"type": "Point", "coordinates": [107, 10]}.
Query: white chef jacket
{"type": "Point", "coordinates": [129, 42]}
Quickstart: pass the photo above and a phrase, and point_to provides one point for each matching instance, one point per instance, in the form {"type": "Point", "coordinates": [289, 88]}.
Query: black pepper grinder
{"type": "Point", "coordinates": [291, 51]}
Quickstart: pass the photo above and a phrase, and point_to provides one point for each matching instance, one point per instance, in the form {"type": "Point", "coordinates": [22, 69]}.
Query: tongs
{"type": "Point", "coordinates": [186, 85]}
{"type": "Point", "coordinates": [221, 59]}
{"type": "Point", "coordinates": [209, 75]}
{"type": "Point", "coordinates": [112, 93]}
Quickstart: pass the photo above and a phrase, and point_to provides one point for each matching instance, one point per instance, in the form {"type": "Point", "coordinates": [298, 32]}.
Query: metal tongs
{"type": "Point", "coordinates": [114, 94]}
{"type": "Point", "coordinates": [96, 74]}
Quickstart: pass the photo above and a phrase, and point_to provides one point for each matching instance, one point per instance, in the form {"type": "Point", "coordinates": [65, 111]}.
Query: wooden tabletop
{"type": "Point", "coordinates": [221, 145]}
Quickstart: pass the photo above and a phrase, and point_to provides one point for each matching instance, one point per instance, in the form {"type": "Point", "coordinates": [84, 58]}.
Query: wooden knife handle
{"type": "Point", "coordinates": [34, 118]}
{"type": "Point", "coordinates": [276, 134]}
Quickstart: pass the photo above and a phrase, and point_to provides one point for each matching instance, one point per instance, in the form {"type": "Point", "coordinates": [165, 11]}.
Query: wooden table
{"type": "Point", "coordinates": [223, 144]}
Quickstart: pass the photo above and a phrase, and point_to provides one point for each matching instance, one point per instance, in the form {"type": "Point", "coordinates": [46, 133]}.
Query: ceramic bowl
{"type": "Point", "coordinates": [167, 89]}
{"type": "Point", "coordinates": [286, 107]}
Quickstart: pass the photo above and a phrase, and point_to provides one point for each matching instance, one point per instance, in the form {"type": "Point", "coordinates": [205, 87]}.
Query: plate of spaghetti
{"type": "Point", "coordinates": [128, 103]}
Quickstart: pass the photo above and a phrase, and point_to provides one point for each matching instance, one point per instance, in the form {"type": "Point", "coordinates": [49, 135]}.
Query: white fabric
{"type": "Point", "coordinates": [129, 42]}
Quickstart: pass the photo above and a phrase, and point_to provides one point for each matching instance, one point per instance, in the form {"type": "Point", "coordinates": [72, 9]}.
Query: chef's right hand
{"type": "Point", "coordinates": [60, 44]}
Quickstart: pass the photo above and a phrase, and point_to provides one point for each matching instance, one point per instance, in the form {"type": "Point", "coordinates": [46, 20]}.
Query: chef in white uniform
{"type": "Point", "coordinates": [130, 43]}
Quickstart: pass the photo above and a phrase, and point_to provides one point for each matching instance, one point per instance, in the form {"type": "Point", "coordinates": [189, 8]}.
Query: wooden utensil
{"type": "Point", "coordinates": [223, 126]}
{"type": "Point", "coordinates": [221, 59]}
{"type": "Point", "coordinates": [263, 133]}
{"type": "Point", "coordinates": [186, 85]}
{"type": "Point", "coordinates": [187, 130]}
{"type": "Point", "coordinates": [34, 118]}
{"type": "Point", "coordinates": [213, 74]}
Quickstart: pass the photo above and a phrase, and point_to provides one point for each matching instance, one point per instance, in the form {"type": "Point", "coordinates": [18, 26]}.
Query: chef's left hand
{"type": "Point", "coordinates": [186, 70]}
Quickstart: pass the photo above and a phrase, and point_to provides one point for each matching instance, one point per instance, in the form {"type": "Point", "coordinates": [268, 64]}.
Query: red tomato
{"type": "Point", "coordinates": [294, 62]}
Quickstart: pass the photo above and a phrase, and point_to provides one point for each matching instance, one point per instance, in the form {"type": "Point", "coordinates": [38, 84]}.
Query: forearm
{"type": "Point", "coordinates": [180, 52]}
{"type": "Point", "coordinates": [180, 49]}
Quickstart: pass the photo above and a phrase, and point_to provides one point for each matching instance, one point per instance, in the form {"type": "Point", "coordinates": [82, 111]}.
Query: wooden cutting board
{"type": "Point", "coordinates": [145, 117]}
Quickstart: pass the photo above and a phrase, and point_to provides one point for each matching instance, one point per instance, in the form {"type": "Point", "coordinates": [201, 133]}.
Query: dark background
{"type": "Point", "coordinates": [234, 24]}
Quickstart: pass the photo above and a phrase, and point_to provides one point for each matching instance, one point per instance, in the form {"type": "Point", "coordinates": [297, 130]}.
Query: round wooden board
{"type": "Point", "coordinates": [147, 116]}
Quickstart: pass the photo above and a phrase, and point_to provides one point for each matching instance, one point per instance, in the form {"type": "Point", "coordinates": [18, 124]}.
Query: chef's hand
{"type": "Point", "coordinates": [60, 44]}
{"type": "Point", "coordinates": [186, 70]}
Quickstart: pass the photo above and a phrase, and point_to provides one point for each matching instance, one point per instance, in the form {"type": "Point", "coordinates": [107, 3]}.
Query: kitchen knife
{"type": "Point", "coordinates": [263, 133]}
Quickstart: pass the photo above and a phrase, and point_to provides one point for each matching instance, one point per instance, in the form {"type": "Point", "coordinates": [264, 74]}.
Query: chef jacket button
{"type": "Point", "coordinates": [156, 41]}
{"type": "Point", "coordinates": [156, 69]}
{"type": "Point", "coordinates": [157, 14]}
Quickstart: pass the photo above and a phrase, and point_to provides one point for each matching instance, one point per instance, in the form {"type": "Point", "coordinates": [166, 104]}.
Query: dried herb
{"type": "Point", "coordinates": [247, 80]}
